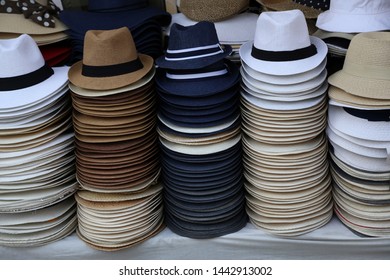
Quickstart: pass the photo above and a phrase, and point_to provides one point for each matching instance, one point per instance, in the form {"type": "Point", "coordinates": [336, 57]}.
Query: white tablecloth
{"type": "Point", "coordinates": [333, 241]}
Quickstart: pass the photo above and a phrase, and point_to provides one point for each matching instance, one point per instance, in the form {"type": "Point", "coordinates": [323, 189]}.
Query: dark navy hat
{"type": "Point", "coordinates": [193, 47]}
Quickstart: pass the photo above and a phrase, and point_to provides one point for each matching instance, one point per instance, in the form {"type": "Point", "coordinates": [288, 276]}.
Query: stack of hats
{"type": "Point", "coordinates": [145, 23]}
{"type": "Point", "coordinates": [114, 120]}
{"type": "Point", "coordinates": [199, 128]}
{"type": "Point", "coordinates": [39, 19]}
{"type": "Point", "coordinates": [283, 117]}
{"type": "Point", "coordinates": [310, 8]}
{"type": "Point", "coordinates": [36, 144]}
{"type": "Point", "coordinates": [234, 24]}
{"type": "Point", "coordinates": [359, 133]}
{"type": "Point", "coordinates": [344, 20]}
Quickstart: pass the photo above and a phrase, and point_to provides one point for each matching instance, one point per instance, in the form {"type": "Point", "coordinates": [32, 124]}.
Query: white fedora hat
{"type": "Point", "coordinates": [355, 16]}
{"type": "Point", "coordinates": [282, 45]}
{"type": "Point", "coordinates": [358, 127]}
{"type": "Point", "coordinates": [27, 79]}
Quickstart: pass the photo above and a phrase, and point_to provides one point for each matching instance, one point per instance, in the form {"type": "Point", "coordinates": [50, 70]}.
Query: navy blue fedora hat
{"type": "Point", "coordinates": [113, 14]}
{"type": "Point", "coordinates": [115, 5]}
{"type": "Point", "coordinates": [202, 82]}
{"type": "Point", "coordinates": [193, 47]}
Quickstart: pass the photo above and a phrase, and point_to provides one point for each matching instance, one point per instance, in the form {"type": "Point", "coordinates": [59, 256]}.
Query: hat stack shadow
{"type": "Point", "coordinates": [359, 135]}
{"type": "Point", "coordinates": [37, 173]}
{"type": "Point", "coordinates": [117, 154]}
{"type": "Point", "coordinates": [199, 132]}
{"type": "Point", "coordinates": [284, 104]}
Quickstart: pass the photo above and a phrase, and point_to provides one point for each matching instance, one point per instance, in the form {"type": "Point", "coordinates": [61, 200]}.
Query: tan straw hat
{"type": "Point", "coordinates": [366, 70]}
{"type": "Point", "coordinates": [110, 61]}
{"type": "Point", "coordinates": [212, 10]}
{"type": "Point", "coordinates": [311, 9]}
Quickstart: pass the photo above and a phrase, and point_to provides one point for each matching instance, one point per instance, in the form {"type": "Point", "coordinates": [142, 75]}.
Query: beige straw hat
{"type": "Point", "coordinates": [110, 61]}
{"type": "Point", "coordinates": [212, 10]}
{"type": "Point", "coordinates": [283, 5]}
{"type": "Point", "coordinates": [366, 70]}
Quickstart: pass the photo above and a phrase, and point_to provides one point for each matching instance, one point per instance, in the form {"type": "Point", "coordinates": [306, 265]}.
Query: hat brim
{"type": "Point", "coordinates": [82, 21]}
{"type": "Point", "coordinates": [358, 127]}
{"type": "Point", "coordinates": [108, 83]}
{"type": "Point", "coordinates": [361, 86]}
{"type": "Point", "coordinates": [15, 99]}
{"type": "Point", "coordinates": [201, 86]}
{"type": "Point", "coordinates": [285, 5]}
{"type": "Point", "coordinates": [340, 97]}
{"type": "Point", "coordinates": [281, 68]}
{"type": "Point", "coordinates": [94, 93]}
{"type": "Point", "coordinates": [17, 23]}
{"type": "Point", "coordinates": [195, 63]}
{"type": "Point", "coordinates": [285, 89]}
{"type": "Point", "coordinates": [353, 23]}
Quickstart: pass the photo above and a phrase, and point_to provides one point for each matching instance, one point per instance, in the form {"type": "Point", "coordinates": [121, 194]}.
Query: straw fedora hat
{"type": "Point", "coordinates": [366, 70]}
{"type": "Point", "coordinates": [110, 61]}
{"type": "Point", "coordinates": [215, 10]}
{"type": "Point", "coordinates": [311, 9]}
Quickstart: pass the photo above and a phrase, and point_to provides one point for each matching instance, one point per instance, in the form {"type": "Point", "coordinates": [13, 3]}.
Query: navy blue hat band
{"type": "Point", "coordinates": [112, 70]}
{"type": "Point", "coordinates": [284, 55]}
{"type": "Point", "coordinates": [27, 80]}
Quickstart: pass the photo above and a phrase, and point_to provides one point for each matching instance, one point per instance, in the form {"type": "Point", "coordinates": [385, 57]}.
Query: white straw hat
{"type": "Point", "coordinates": [282, 45]}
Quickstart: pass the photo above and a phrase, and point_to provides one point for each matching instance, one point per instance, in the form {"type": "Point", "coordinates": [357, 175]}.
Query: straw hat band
{"type": "Point", "coordinates": [112, 70]}
{"type": "Point", "coordinates": [26, 80]}
{"type": "Point", "coordinates": [367, 71]}
{"type": "Point", "coordinates": [192, 53]}
{"type": "Point", "coordinates": [284, 55]}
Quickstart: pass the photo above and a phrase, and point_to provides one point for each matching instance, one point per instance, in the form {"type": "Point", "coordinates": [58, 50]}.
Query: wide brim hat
{"type": "Point", "coordinates": [355, 16]}
{"type": "Point", "coordinates": [284, 5]}
{"type": "Point", "coordinates": [217, 10]}
{"type": "Point", "coordinates": [366, 69]}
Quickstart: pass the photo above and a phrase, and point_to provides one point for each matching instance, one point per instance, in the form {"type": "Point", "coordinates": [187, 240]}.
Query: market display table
{"type": "Point", "coordinates": [333, 241]}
